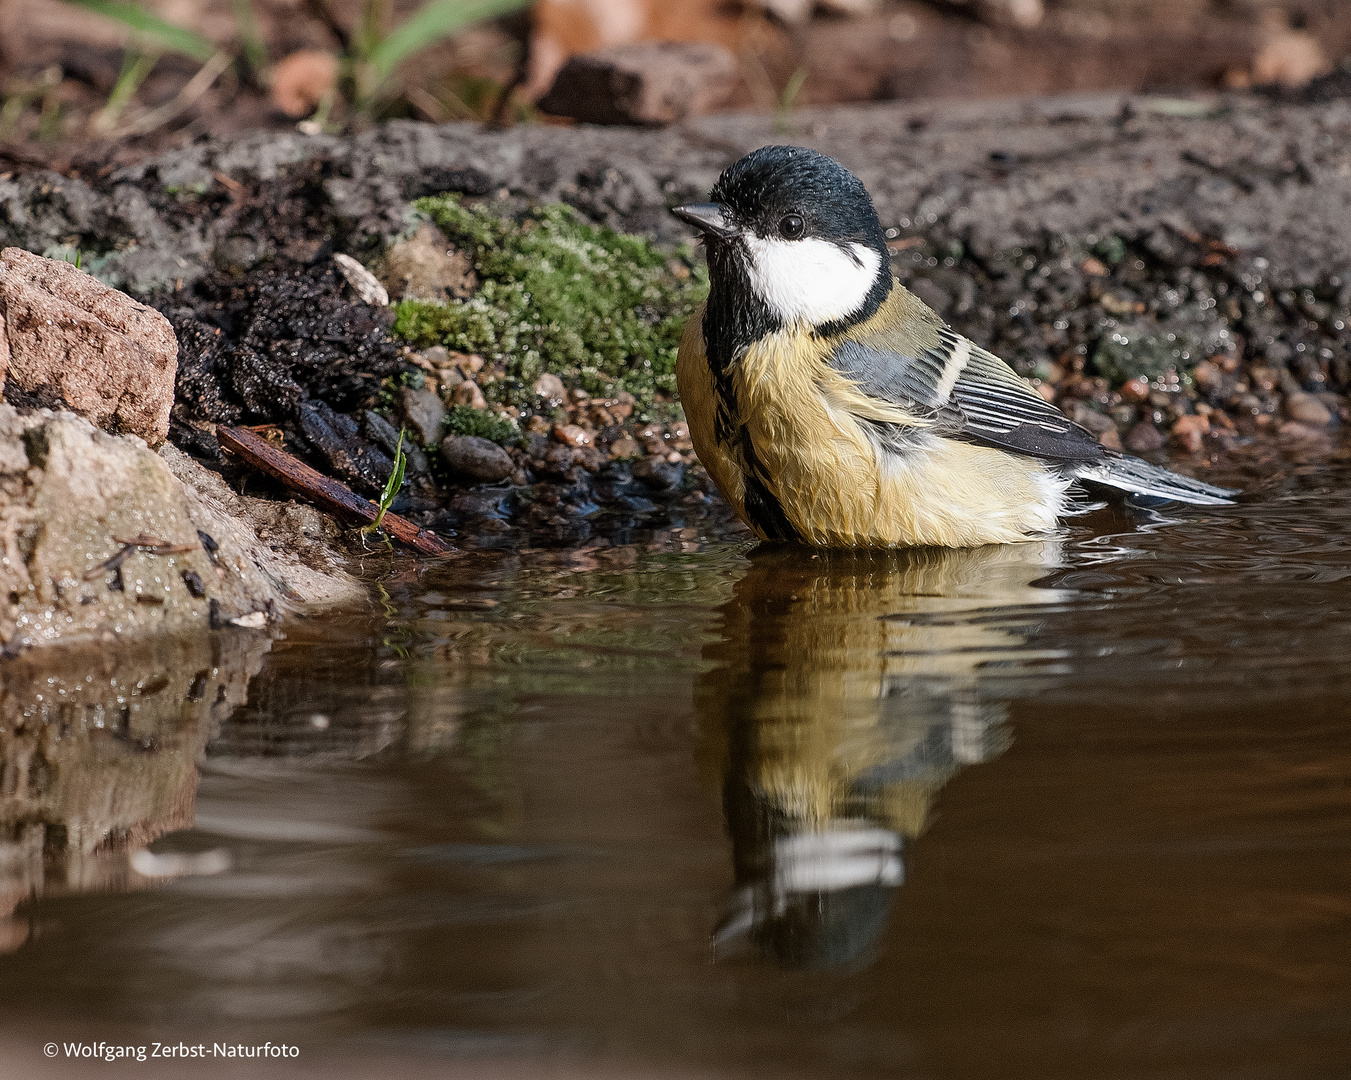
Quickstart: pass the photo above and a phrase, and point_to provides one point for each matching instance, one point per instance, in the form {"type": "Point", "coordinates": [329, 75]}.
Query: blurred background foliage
{"type": "Point", "coordinates": [144, 71]}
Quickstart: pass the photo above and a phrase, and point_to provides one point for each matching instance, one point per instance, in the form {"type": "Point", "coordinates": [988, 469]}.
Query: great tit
{"type": "Point", "coordinates": [832, 407]}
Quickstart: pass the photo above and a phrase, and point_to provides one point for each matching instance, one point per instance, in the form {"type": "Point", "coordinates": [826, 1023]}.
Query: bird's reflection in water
{"type": "Point", "coordinates": [847, 691]}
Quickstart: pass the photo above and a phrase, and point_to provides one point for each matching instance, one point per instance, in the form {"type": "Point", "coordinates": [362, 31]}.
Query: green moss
{"type": "Point", "coordinates": [602, 310]}
{"type": "Point", "coordinates": [1111, 249]}
{"type": "Point", "coordinates": [465, 420]}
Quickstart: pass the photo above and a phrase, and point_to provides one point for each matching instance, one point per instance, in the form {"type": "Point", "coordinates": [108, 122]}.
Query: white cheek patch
{"type": "Point", "coordinates": [811, 280]}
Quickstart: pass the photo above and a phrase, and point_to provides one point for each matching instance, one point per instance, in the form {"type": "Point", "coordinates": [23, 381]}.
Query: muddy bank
{"type": "Point", "coordinates": [1175, 273]}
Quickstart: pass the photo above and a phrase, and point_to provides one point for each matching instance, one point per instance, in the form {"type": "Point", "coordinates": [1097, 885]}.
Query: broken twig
{"type": "Point", "coordinates": [326, 493]}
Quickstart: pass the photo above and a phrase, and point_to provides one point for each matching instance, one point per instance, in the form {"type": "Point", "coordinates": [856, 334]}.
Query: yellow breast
{"type": "Point", "coordinates": [807, 426]}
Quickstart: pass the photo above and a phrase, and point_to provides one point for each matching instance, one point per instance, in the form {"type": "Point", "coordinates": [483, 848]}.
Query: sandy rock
{"type": "Point", "coordinates": [109, 358]}
{"type": "Point", "coordinates": [1307, 409]}
{"type": "Point", "coordinates": [71, 495]}
{"type": "Point", "coordinates": [651, 85]}
{"type": "Point", "coordinates": [427, 266]}
{"type": "Point", "coordinates": [479, 461]}
{"type": "Point", "coordinates": [424, 412]}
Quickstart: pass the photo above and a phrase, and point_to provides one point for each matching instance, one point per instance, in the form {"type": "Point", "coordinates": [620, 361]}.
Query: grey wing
{"type": "Point", "coordinates": [970, 394]}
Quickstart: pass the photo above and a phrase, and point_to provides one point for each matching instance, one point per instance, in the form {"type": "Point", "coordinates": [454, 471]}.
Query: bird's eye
{"type": "Point", "coordinates": [792, 227]}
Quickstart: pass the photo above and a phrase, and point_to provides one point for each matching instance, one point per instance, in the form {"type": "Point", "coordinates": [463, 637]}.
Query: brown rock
{"type": "Point", "coordinates": [110, 359]}
{"type": "Point", "coordinates": [471, 458]}
{"type": "Point", "coordinates": [1289, 58]}
{"type": "Point", "coordinates": [468, 393]}
{"type": "Point", "coordinates": [625, 448]}
{"type": "Point", "coordinates": [1307, 409]}
{"type": "Point", "coordinates": [1134, 390]}
{"type": "Point", "coordinates": [300, 81]}
{"type": "Point", "coordinates": [572, 435]}
{"type": "Point", "coordinates": [1144, 438]}
{"type": "Point", "coordinates": [1207, 375]}
{"type": "Point", "coordinates": [1190, 432]}
{"type": "Point", "coordinates": [428, 267]}
{"type": "Point", "coordinates": [1110, 438]}
{"type": "Point", "coordinates": [650, 84]}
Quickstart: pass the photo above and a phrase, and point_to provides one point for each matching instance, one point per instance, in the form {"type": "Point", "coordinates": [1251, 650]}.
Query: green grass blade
{"type": "Point", "coordinates": [152, 26]}
{"type": "Point", "coordinates": [435, 20]}
{"type": "Point", "coordinates": [246, 25]}
{"type": "Point", "coordinates": [392, 485]}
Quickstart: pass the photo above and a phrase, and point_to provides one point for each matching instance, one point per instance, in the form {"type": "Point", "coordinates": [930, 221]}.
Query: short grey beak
{"type": "Point", "coordinates": [709, 217]}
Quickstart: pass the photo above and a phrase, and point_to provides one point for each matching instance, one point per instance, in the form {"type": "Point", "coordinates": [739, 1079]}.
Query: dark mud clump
{"type": "Point", "coordinates": [283, 347]}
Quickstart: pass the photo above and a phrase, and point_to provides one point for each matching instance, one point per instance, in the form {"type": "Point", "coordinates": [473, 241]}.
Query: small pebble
{"type": "Point", "coordinates": [572, 435]}
{"type": "Point", "coordinates": [550, 388]}
{"type": "Point", "coordinates": [1297, 432]}
{"type": "Point", "coordinates": [658, 473]}
{"type": "Point", "coordinates": [1144, 438]}
{"type": "Point", "coordinates": [1307, 409]}
{"type": "Point", "coordinates": [1134, 390]}
{"type": "Point", "coordinates": [468, 393]}
{"type": "Point", "coordinates": [1190, 432]}
{"type": "Point", "coordinates": [625, 448]}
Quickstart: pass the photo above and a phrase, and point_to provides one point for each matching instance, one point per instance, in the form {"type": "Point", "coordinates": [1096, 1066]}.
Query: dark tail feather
{"type": "Point", "coordinates": [1142, 478]}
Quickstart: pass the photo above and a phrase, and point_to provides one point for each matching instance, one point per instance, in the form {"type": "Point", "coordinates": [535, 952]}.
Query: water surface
{"type": "Point", "coordinates": [1072, 809]}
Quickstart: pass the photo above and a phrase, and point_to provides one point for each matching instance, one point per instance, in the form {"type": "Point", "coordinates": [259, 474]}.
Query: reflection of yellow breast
{"type": "Point", "coordinates": [840, 667]}
{"type": "Point", "coordinates": [807, 424]}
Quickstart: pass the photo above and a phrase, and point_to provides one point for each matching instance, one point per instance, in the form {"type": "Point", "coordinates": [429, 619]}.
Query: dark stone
{"type": "Point", "coordinates": [657, 473]}
{"type": "Point", "coordinates": [478, 461]}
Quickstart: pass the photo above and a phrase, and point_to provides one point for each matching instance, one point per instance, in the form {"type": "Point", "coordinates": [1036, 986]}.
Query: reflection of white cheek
{"type": "Point", "coordinates": [840, 858]}
{"type": "Point", "coordinates": [811, 281]}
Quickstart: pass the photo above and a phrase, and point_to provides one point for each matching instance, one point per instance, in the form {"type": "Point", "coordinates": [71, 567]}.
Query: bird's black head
{"type": "Point", "coordinates": [793, 239]}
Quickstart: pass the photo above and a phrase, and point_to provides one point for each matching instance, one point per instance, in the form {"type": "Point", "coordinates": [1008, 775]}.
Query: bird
{"type": "Point", "coordinates": [833, 408]}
